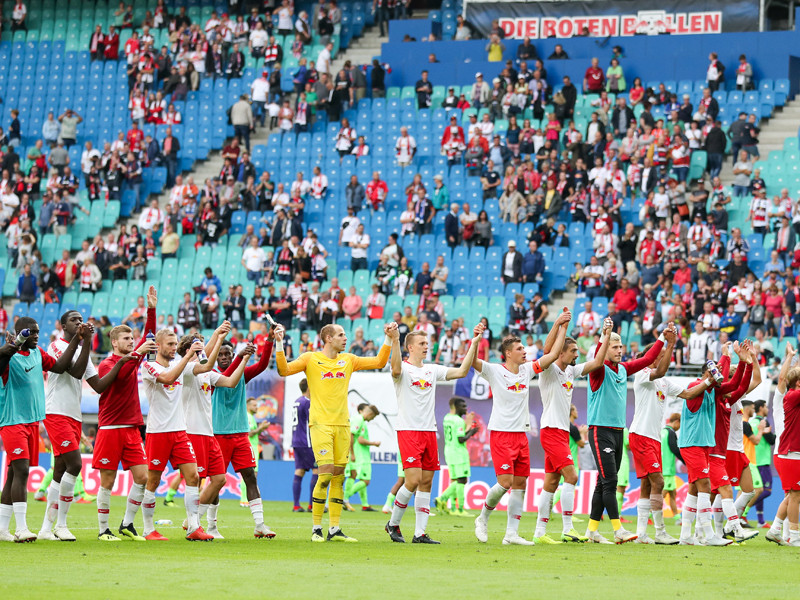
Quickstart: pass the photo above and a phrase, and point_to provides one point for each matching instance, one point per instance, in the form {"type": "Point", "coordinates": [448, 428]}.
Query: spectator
{"type": "Point", "coordinates": [424, 89]}
{"type": "Point", "coordinates": [19, 15]}
{"type": "Point", "coordinates": [480, 92]}
{"type": "Point", "coordinates": [352, 304]}
{"type": "Point", "coordinates": [594, 78]}
{"type": "Point", "coordinates": [715, 74]}
{"type": "Point", "coordinates": [209, 306]}
{"type": "Point", "coordinates": [241, 115]}
{"type": "Point", "coordinates": [354, 195]}
{"type": "Point", "coordinates": [324, 58]}
{"type": "Point", "coordinates": [626, 300]}
{"type": "Point", "coordinates": [511, 265]}
{"type": "Point", "coordinates": [90, 277]}
{"type": "Point", "coordinates": [234, 306]}
{"type": "Point", "coordinates": [51, 130]}
{"type": "Point", "coordinates": [27, 286]}
{"type": "Point", "coordinates": [588, 319]}
{"type": "Point", "coordinates": [697, 346]}
{"type": "Point", "coordinates": [439, 276]}
{"type": "Point", "coordinates": [393, 251]}
{"type": "Point", "coordinates": [405, 148]}
{"type": "Point", "coordinates": [359, 245]}
{"type": "Point", "coordinates": [376, 302]}
{"type": "Point", "coordinates": [253, 259]}
{"type": "Point", "coordinates": [744, 74]}
{"type": "Point", "coordinates": [385, 274]}
{"type": "Point", "coordinates": [376, 192]}
{"type": "Point", "coordinates": [208, 280]}
{"type": "Point", "coordinates": [715, 149]}
{"type": "Point", "coordinates": [759, 205]}
{"type": "Point", "coordinates": [533, 264]}
{"type": "Point", "coordinates": [495, 49]}
{"type": "Point", "coordinates": [451, 227]}
{"type": "Point", "coordinates": [259, 92]}
{"type": "Point", "coordinates": [69, 127]}
{"type": "Point", "coordinates": [615, 78]}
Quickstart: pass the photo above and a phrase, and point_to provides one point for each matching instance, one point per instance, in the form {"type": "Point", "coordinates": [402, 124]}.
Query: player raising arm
{"type": "Point", "coordinates": [650, 391]}
{"type": "Point", "coordinates": [415, 387]}
{"type": "Point", "coordinates": [22, 369]}
{"type": "Point", "coordinates": [328, 374]}
{"type": "Point", "coordinates": [788, 459]}
{"type": "Point", "coordinates": [557, 373]}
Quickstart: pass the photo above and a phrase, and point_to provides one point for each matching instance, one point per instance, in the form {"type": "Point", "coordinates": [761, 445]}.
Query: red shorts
{"type": "Point", "coordinates": [208, 453]}
{"type": "Point", "coordinates": [237, 451]}
{"type": "Point", "coordinates": [696, 460]}
{"type": "Point", "coordinates": [510, 453]}
{"type": "Point", "coordinates": [21, 442]}
{"type": "Point", "coordinates": [735, 463]}
{"type": "Point", "coordinates": [112, 446]}
{"type": "Point", "coordinates": [789, 472]}
{"type": "Point", "coordinates": [646, 454]}
{"type": "Point", "coordinates": [172, 446]}
{"type": "Point", "coordinates": [717, 473]}
{"type": "Point", "coordinates": [555, 443]}
{"type": "Point", "coordinates": [64, 433]}
{"type": "Point", "coordinates": [418, 449]}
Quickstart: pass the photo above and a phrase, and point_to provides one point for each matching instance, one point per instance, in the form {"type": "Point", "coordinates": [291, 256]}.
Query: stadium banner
{"type": "Point", "coordinates": [615, 18]}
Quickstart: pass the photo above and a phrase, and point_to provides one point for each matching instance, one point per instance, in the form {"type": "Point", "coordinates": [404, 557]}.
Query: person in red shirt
{"type": "Point", "coordinates": [377, 190]}
{"type": "Point", "coordinates": [594, 80]}
{"type": "Point", "coordinates": [119, 418]}
{"type": "Point", "coordinates": [135, 136]}
{"type": "Point", "coordinates": [650, 247]}
{"type": "Point", "coordinates": [626, 300]}
{"type": "Point", "coordinates": [111, 44]}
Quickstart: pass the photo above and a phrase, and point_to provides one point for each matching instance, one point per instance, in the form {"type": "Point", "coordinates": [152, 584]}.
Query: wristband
{"type": "Point", "coordinates": [709, 382]}
{"type": "Point", "coordinates": [387, 341]}
{"type": "Point", "coordinates": [662, 339]}
{"type": "Point", "coordinates": [279, 346]}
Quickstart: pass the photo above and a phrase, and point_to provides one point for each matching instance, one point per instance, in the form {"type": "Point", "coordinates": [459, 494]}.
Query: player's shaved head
{"type": "Point", "coordinates": [327, 332]}
{"type": "Point", "coordinates": [66, 316]}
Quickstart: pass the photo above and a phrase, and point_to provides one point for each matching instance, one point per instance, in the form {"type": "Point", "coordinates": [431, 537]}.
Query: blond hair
{"type": "Point", "coordinates": [414, 334]}
{"type": "Point", "coordinates": [614, 339]}
{"type": "Point", "coordinates": [117, 331]}
{"type": "Point", "coordinates": [792, 377]}
{"type": "Point", "coordinates": [163, 334]}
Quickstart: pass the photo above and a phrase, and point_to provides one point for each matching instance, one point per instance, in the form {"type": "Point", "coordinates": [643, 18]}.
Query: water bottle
{"type": "Point", "coordinates": [270, 320]}
{"type": "Point", "coordinates": [163, 522]}
{"type": "Point", "coordinates": [715, 372]}
{"type": "Point", "coordinates": [22, 337]}
{"type": "Point", "coordinates": [151, 356]}
{"type": "Point", "coordinates": [201, 354]}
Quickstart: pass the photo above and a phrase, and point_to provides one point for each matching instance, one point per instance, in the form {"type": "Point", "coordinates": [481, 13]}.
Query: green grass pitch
{"type": "Point", "coordinates": [290, 566]}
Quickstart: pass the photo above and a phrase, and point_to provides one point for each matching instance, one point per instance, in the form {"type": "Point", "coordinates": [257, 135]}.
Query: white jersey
{"type": "Point", "coordinates": [510, 396]}
{"type": "Point", "coordinates": [166, 408]}
{"type": "Point", "coordinates": [649, 397]}
{"type": "Point", "coordinates": [196, 396]}
{"type": "Point", "coordinates": [556, 387]}
{"type": "Point", "coordinates": [416, 396]}
{"type": "Point", "coordinates": [778, 416]}
{"type": "Point", "coordinates": [736, 431]}
{"type": "Point", "coordinates": [63, 392]}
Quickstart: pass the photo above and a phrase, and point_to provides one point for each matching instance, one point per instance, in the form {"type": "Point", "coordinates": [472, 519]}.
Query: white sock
{"type": "Point", "coordinates": [704, 513]}
{"type": "Point", "coordinates": [51, 513]}
{"type": "Point", "coordinates": [567, 506]}
{"type": "Point", "coordinates": [103, 506]}
{"type": "Point", "coordinates": [775, 529]}
{"type": "Point", "coordinates": [545, 501]}
{"type": "Point", "coordinates": [257, 510]}
{"type": "Point", "coordinates": [135, 497]}
{"type": "Point", "coordinates": [688, 516]}
{"type": "Point", "coordinates": [212, 514]}
{"type": "Point", "coordinates": [492, 498]}
{"type": "Point", "coordinates": [785, 529]}
{"type": "Point", "coordinates": [422, 504]}
{"type": "Point", "coordinates": [729, 509]}
{"type": "Point", "coordinates": [657, 508]}
{"type": "Point", "coordinates": [794, 535]}
{"type": "Point", "coordinates": [148, 511]}
{"type": "Point", "coordinates": [401, 501]}
{"type": "Point", "coordinates": [202, 509]}
{"type": "Point", "coordinates": [20, 510]}
{"type": "Point", "coordinates": [191, 500]}
{"type": "Point", "coordinates": [515, 507]}
{"type": "Point", "coordinates": [66, 493]}
{"type": "Point", "coordinates": [642, 514]}
{"type": "Point", "coordinates": [5, 516]}
{"type": "Point", "coordinates": [742, 500]}
{"type": "Point", "coordinates": [717, 515]}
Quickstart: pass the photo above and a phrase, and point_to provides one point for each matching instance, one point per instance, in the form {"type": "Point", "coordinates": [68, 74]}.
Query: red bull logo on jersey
{"type": "Point", "coordinates": [207, 388]}
{"type": "Point", "coordinates": [660, 396]}
{"type": "Point", "coordinates": [518, 388]}
{"type": "Point", "coordinates": [332, 375]}
{"type": "Point", "coordinates": [422, 384]}
{"type": "Point", "coordinates": [568, 386]}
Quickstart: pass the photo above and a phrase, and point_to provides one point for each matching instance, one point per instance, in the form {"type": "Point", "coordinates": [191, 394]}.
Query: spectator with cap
{"type": "Point", "coordinates": [480, 92]}
{"type": "Point", "coordinates": [511, 265]}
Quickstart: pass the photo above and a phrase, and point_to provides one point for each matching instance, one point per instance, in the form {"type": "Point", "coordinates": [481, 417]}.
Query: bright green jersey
{"type": "Point", "coordinates": [667, 457]}
{"type": "Point", "coordinates": [358, 427]}
{"type": "Point", "coordinates": [763, 448]}
{"type": "Point", "coordinates": [251, 425]}
{"type": "Point", "coordinates": [455, 452]}
{"type": "Point", "coordinates": [573, 444]}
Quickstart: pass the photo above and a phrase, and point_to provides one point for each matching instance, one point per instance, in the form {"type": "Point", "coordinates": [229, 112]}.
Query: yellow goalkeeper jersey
{"type": "Point", "coordinates": [329, 380]}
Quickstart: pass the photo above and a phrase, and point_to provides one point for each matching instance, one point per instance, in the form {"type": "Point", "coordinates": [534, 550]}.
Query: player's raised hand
{"type": "Point", "coordinates": [669, 333]}
{"type": "Point", "coordinates": [249, 350]}
{"type": "Point", "coordinates": [152, 297]}
{"type": "Point", "coordinates": [278, 332]}
{"type": "Point", "coordinates": [224, 329]}
{"type": "Point", "coordinates": [790, 351]}
{"type": "Point", "coordinates": [608, 325]}
{"type": "Point", "coordinates": [85, 331]}
{"type": "Point", "coordinates": [478, 330]}
{"type": "Point", "coordinates": [147, 347]}
{"type": "Point", "coordinates": [564, 317]}
{"type": "Point", "coordinates": [391, 331]}
{"type": "Point", "coordinates": [197, 347]}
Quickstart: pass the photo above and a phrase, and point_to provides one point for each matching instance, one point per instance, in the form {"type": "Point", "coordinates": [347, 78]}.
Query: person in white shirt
{"type": "Point", "coordinates": [166, 437]}
{"type": "Point", "coordinates": [196, 399]}
{"type": "Point", "coordinates": [405, 148]}
{"type": "Point", "coordinates": [253, 259]}
{"type": "Point", "coordinates": [650, 391]}
{"type": "Point", "coordinates": [508, 426]}
{"type": "Point", "coordinates": [258, 40]}
{"type": "Point", "coordinates": [319, 184]}
{"type": "Point", "coordinates": [349, 227]}
{"type": "Point", "coordinates": [359, 245]}
{"type": "Point", "coordinates": [63, 393]}
{"type": "Point", "coordinates": [557, 373]}
{"type": "Point", "coordinates": [323, 63]}
{"type": "Point", "coordinates": [259, 93]}
{"type": "Point", "coordinates": [151, 217]}
{"type": "Point", "coordinates": [697, 345]}
{"type": "Point", "coordinates": [415, 387]}
{"type": "Point", "coordinates": [589, 318]}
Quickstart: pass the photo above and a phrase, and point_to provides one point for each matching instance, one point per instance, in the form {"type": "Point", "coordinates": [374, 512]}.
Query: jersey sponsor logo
{"type": "Point", "coordinates": [569, 456]}
{"type": "Point", "coordinates": [660, 396]}
{"type": "Point", "coordinates": [724, 478]}
{"type": "Point", "coordinates": [410, 459]}
{"type": "Point", "coordinates": [171, 387]}
{"type": "Point", "coordinates": [656, 465]}
{"type": "Point", "coordinates": [155, 461]}
{"type": "Point", "coordinates": [422, 384]}
{"type": "Point", "coordinates": [105, 461]}
{"type": "Point", "coordinates": [734, 479]}
{"type": "Point", "coordinates": [31, 369]}
{"type": "Point", "coordinates": [705, 470]}
{"type": "Point", "coordinates": [323, 452]}
{"type": "Point", "coordinates": [200, 469]}
{"type": "Point", "coordinates": [206, 388]}
{"type": "Point", "coordinates": [518, 388]}
{"type": "Point", "coordinates": [567, 385]}
{"type": "Point", "coordinates": [16, 451]}
{"type": "Point", "coordinates": [65, 443]}
{"type": "Point", "coordinates": [505, 467]}
{"type": "Point", "coordinates": [607, 450]}
{"type": "Point", "coordinates": [340, 363]}
{"type": "Point", "coordinates": [332, 375]}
